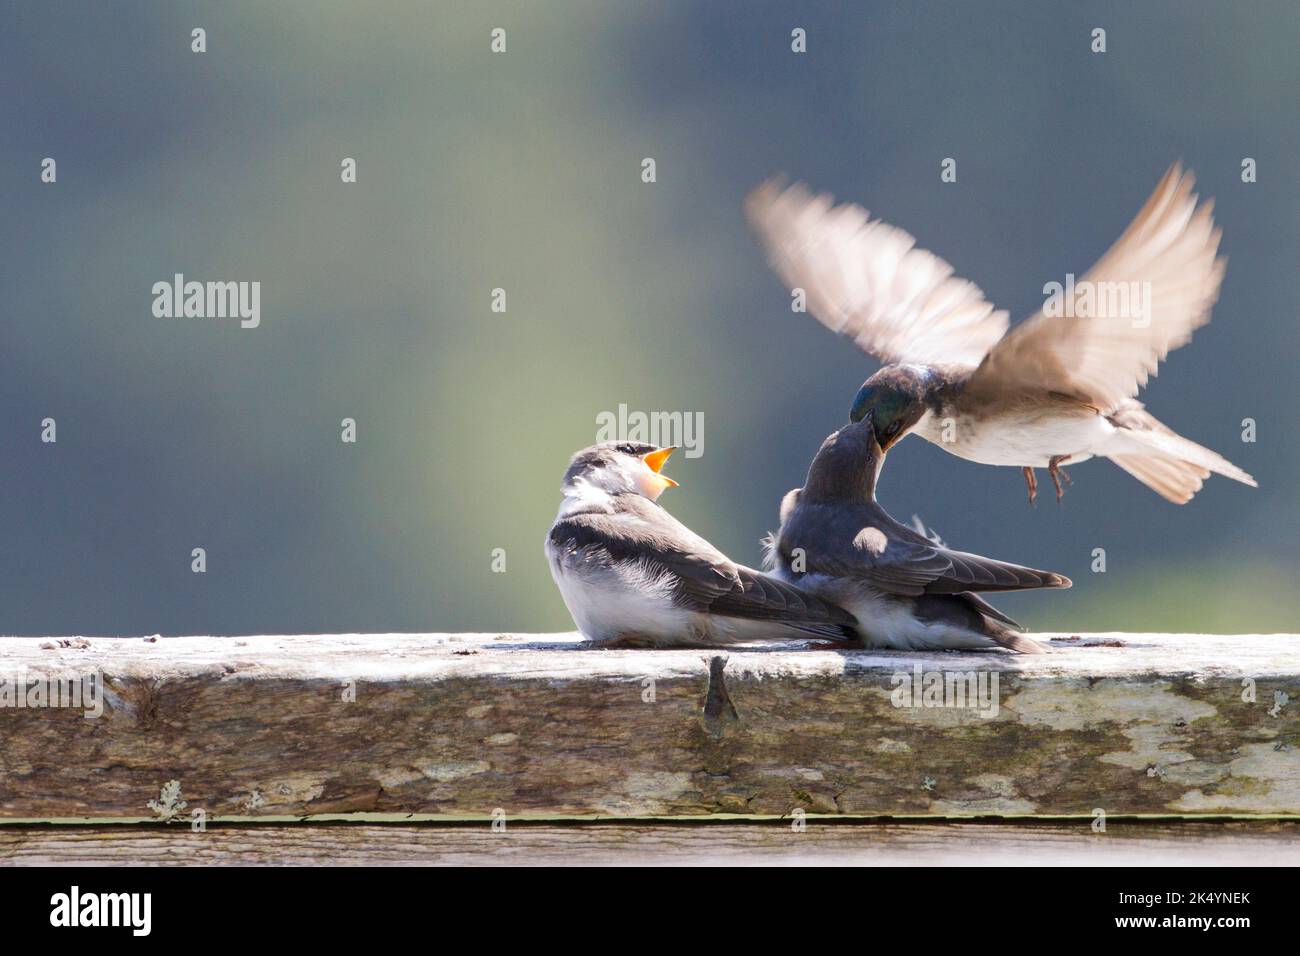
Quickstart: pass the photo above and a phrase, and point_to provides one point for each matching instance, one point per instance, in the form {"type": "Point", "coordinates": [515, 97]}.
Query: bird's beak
{"type": "Point", "coordinates": [859, 409]}
{"type": "Point", "coordinates": [869, 423]}
{"type": "Point", "coordinates": [656, 459]}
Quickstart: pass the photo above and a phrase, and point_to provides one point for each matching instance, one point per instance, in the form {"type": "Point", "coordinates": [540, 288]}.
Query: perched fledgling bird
{"type": "Point", "coordinates": [907, 591]}
{"type": "Point", "coordinates": [632, 575]}
{"type": "Point", "coordinates": [1059, 387]}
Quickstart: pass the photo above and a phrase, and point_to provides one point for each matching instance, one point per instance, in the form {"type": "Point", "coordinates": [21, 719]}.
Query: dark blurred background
{"type": "Point", "coordinates": [522, 171]}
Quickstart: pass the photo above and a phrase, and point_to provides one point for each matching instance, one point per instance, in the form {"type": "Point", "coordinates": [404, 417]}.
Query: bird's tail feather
{"type": "Point", "coordinates": [1164, 460]}
{"type": "Point", "coordinates": [1012, 640]}
{"type": "Point", "coordinates": [970, 613]}
{"type": "Point", "coordinates": [1172, 445]}
{"type": "Point", "coordinates": [988, 610]}
{"type": "Point", "coordinates": [1004, 630]}
{"type": "Point", "coordinates": [1171, 478]}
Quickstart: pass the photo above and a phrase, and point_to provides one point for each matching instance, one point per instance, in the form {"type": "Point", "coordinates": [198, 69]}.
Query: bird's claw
{"type": "Point", "coordinates": [1057, 472]}
{"type": "Point", "coordinates": [1031, 482]}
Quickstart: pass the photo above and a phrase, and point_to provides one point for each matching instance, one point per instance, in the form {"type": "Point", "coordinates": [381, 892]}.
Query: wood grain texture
{"type": "Point", "coordinates": [544, 726]}
{"type": "Point", "coordinates": [1202, 844]}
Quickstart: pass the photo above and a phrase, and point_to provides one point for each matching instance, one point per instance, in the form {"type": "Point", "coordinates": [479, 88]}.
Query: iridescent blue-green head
{"type": "Point", "coordinates": [895, 399]}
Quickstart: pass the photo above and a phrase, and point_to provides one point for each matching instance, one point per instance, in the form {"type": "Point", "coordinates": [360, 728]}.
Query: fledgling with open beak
{"type": "Point", "coordinates": [907, 591]}
{"type": "Point", "coordinates": [632, 575]}
{"type": "Point", "coordinates": [1060, 387]}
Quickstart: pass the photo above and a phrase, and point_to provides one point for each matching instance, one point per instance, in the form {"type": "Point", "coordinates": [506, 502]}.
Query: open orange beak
{"type": "Point", "coordinates": [656, 460]}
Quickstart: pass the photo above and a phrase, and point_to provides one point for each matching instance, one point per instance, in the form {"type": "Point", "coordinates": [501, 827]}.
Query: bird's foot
{"type": "Point", "coordinates": [1031, 482]}
{"type": "Point", "coordinates": [1057, 472]}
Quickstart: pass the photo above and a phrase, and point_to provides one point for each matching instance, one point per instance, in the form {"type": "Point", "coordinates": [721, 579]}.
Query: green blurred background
{"type": "Point", "coordinates": [522, 171]}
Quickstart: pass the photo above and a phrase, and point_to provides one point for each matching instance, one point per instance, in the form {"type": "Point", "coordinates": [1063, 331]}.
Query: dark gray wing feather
{"type": "Point", "coordinates": [764, 598]}
{"type": "Point", "coordinates": [862, 542]}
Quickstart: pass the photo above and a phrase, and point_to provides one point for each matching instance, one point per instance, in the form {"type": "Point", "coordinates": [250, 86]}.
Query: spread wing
{"type": "Point", "coordinates": [868, 280]}
{"type": "Point", "coordinates": [1165, 263]}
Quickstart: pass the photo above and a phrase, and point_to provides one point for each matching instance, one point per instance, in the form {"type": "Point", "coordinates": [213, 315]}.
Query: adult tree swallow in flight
{"type": "Point", "coordinates": [1058, 388]}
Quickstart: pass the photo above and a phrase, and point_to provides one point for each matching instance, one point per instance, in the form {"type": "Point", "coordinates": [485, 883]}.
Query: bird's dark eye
{"type": "Point", "coordinates": [893, 428]}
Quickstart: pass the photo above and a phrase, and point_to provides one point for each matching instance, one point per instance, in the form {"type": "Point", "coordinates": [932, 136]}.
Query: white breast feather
{"type": "Point", "coordinates": [1022, 439]}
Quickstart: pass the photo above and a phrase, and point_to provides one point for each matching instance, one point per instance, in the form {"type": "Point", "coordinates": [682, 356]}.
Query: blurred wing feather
{"type": "Point", "coordinates": [867, 280]}
{"type": "Point", "coordinates": [1103, 360]}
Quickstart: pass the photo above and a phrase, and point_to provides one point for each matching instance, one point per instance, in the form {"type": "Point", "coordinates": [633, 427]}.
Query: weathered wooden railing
{"type": "Point", "coordinates": [512, 727]}
{"type": "Point", "coordinates": [535, 748]}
